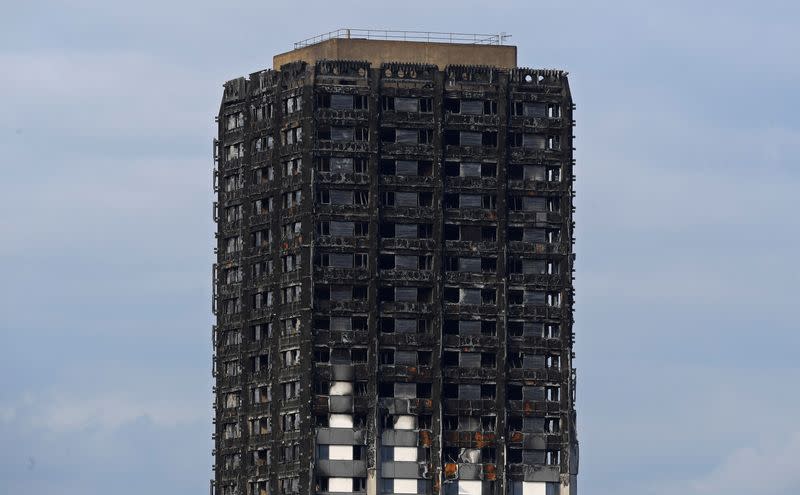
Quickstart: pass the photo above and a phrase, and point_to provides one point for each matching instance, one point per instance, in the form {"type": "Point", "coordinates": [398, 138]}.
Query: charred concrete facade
{"type": "Point", "coordinates": [393, 286]}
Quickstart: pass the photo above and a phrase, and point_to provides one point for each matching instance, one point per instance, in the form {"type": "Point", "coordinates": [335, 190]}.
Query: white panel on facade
{"type": "Point", "coordinates": [405, 454]}
{"type": "Point", "coordinates": [469, 487]}
{"type": "Point", "coordinates": [338, 485]}
{"type": "Point", "coordinates": [341, 388]}
{"type": "Point", "coordinates": [340, 452]}
{"type": "Point", "coordinates": [340, 421]}
{"type": "Point", "coordinates": [405, 422]}
{"type": "Point", "coordinates": [534, 488]}
{"type": "Point", "coordinates": [405, 486]}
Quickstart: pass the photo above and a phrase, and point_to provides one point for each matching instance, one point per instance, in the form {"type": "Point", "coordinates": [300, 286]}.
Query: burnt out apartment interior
{"type": "Point", "coordinates": [393, 280]}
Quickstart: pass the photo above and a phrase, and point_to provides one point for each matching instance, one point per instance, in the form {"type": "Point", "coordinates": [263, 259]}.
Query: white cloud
{"type": "Point", "coordinates": [104, 412]}
{"type": "Point", "coordinates": [761, 468]}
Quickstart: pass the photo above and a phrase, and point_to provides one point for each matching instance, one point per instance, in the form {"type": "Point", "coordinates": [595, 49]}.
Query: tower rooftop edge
{"type": "Point", "coordinates": [377, 52]}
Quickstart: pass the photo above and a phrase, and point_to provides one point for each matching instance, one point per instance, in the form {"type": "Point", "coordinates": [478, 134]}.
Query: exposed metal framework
{"type": "Point", "coordinates": [387, 34]}
{"type": "Point", "coordinates": [393, 285]}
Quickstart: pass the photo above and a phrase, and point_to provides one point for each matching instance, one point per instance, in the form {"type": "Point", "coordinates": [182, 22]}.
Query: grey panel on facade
{"type": "Point", "coordinates": [533, 424]}
{"type": "Point", "coordinates": [534, 109]}
{"type": "Point", "coordinates": [530, 328]}
{"type": "Point", "coordinates": [341, 134]}
{"type": "Point", "coordinates": [468, 138]}
{"type": "Point", "coordinates": [400, 469]}
{"type": "Point", "coordinates": [340, 355]}
{"type": "Point", "coordinates": [410, 136]}
{"type": "Point", "coordinates": [396, 406]}
{"type": "Point", "coordinates": [534, 441]}
{"type": "Point", "coordinates": [470, 471]}
{"type": "Point", "coordinates": [406, 230]}
{"type": "Point", "coordinates": [341, 293]}
{"type": "Point", "coordinates": [400, 438]}
{"type": "Point", "coordinates": [469, 265]}
{"type": "Point", "coordinates": [344, 229]}
{"type": "Point", "coordinates": [534, 203]}
{"type": "Point", "coordinates": [405, 199]}
{"type": "Point", "coordinates": [469, 200]}
{"type": "Point", "coordinates": [405, 358]}
{"type": "Point", "coordinates": [472, 107]}
{"type": "Point", "coordinates": [542, 473]}
{"type": "Point", "coordinates": [470, 360]}
{"type": "Point", "coordinates": [530, 456]}
{"type": "Point", "coordinates": [535, 297]}
{"type": "Point", "coordinates": [406, 104]}
{"type": "Point", "coordinates": [341, 323]}
{"type": "Point", "coordinates": [535, 172]}
{"type": "Point", "coordinates": [533, 393]}
{"type": "Point", "coordinates": [469, 392]}
{"type": "Point", "coordinates": [470, 169]}
{"type": "Point", "coordinates": [406, 167]}
{"type": "Point", "coordinates": [341, 468]}
{"type": "Point", "coordinates": [469, 327]}
{"type": "Point", "coordinates": [470, 296]}
{"type": "Point", "coordinates": [342, 372]}
{"type": "Point", "coordinates": [574, 456]}
{"type": "Point", "coordinates": [341, 260]}
{"type": "Point", "coordinates": [340, 436]}
{"type": "Point", "coordinates": [404, 325]}
{"type": "Point", "coordinates": [405, 390]}
{"type": "Point", "coordinates": [340, 197]}
{"type": "Point", "coordinates": [534, 235]}
{"type": "Point", "coordinates": [340, 404]}
{"type": "Point", "coordinates": [341, 165]}
{"type": "Point", "coordinates": [406, 262]}
{"type": "Point", "coordinates": [342, 102]}
{"type": "Point", "coordinates": [533, 141]}
{"type": "Point", "coordinates": [405, 294]}
{"type": "Point", "coordinates": [534, 266]}
{"type": "Point", "coordinates": [531, 361]}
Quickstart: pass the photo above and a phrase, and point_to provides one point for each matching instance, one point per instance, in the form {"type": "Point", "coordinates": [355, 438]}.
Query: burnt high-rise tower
{"type": "Point", "coordinates": [393, 286]}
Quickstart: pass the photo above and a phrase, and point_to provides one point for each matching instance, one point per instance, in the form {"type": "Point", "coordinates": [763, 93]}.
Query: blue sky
{"type": "Point", "coordinates": [687, 151]}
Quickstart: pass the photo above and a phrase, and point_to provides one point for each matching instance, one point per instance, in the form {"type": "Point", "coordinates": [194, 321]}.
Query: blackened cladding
{"type": "Point", "coordinates": [393, 284]}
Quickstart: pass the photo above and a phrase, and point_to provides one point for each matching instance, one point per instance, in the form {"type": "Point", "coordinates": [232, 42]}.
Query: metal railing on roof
{"type": "Point", "coordinates": [427, 36]}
